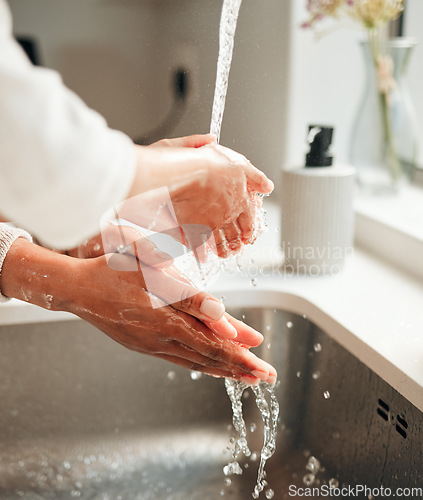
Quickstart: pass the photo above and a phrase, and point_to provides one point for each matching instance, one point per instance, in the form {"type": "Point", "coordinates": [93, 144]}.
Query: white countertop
{"type": "Point", "coordinates": [370, 304]}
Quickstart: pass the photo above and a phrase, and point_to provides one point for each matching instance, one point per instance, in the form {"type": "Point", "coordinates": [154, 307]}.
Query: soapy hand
{"type": "Point", "coordinates": [209, 185]}
{"type": "Point", "coordinates": [170, 285]}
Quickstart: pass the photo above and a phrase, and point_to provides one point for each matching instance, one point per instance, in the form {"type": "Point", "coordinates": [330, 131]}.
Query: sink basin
{"type": "Point", "coordinates": [81, 417]}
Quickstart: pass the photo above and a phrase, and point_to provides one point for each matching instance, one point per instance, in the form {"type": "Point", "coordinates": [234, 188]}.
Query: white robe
{"type": "Point", "coordinates": [61, 167]}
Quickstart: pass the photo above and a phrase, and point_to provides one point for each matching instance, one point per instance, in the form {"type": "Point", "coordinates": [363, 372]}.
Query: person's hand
{"type": "Point", "coordinates": [209, 185]}
{"type": "Point", "coordinates": [189, 141]}
{"type": "Point", "coordinates": [117, 303]}
{"type": "Point", "coordinates": [171, 286]}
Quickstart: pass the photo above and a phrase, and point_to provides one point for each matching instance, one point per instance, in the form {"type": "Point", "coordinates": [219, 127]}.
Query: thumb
{"type": "Point", "coordinates": [189, 141]}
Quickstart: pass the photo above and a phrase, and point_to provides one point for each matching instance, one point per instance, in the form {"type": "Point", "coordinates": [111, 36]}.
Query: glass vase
{"type": "Point", "coordinates": [384, 139]}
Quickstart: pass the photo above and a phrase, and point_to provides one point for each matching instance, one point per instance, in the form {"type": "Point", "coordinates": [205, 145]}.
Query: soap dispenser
{"type": "Point", "coordinates": [317, 226]}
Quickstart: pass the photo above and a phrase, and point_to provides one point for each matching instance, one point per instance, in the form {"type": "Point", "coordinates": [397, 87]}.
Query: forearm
{"type": "Point", "coordinates": [37, 275]}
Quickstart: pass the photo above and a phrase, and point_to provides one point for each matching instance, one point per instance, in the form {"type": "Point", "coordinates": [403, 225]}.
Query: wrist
{"type": "Point", "coordinates": [38, 276]}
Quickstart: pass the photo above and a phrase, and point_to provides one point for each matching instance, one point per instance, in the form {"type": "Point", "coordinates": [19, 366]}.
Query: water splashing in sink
{"type": "Point", "coordinates": [269, 413]}
{"type": "Point", "coordinates": [235, 389]}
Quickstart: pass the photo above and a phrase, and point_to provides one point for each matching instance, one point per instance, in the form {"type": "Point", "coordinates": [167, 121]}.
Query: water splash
{"type": "Point", "coordinates": [228, 21]}
{"type": "Point", "coordinates": [269, 413]}
{"type": "Point", "coordinates": [235, 390]}
{"type": "Point", "coordinates": [313, 467]}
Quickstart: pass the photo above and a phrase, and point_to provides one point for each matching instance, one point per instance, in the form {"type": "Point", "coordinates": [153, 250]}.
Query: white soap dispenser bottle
{"type": "Point", "coordinates": [317, 210]}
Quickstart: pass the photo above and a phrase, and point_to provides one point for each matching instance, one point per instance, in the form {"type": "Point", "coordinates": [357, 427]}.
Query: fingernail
{"type": "Point", "coordinates": [229, 328]}
{"type": "Point", "coordinates": [261, 375]}
{"type": "Point", "coordinates": [213, 309]}
{"type": "Point", "coordinates": [271, 379]}
{"type": "Point", "coordinates": [269, 185]}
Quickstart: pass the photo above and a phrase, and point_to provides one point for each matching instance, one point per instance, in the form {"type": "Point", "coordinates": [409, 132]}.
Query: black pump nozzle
{"type": "Point", "coordinates": [320, 139]}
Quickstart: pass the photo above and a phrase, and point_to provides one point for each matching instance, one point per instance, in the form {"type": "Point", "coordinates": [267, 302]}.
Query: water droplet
{"type": "Point", "coordinates": [253, 427]}
{"type": "Point", "coordinates": [269, 345]}
{"type": "Point", "coordinates": [269, 493]}
{"type": "Point", "coordinates": [75, 493]}
{"type": "Point", "coordinates": [232, 468]}
{"type": "Point", "coordinates": [171, 375]}
{"type": "Point", "coordinates": [317, 347]}
{"type": "Point", "coordinates": [326, 394]}
{"type": "Point", "coordinates": [253, 281]}
{"type": "Point", "coordinates": [316, 375]}
{"type": "Point", "coordinates": [196, 375]}
{"type": "Point", "coordinates": [298, 374]}
{"type": "Point", "coordinates": [268, 327]}
{"type": "Point", "coordinates": [222, 493]}
{"type": "Point", "coordinates": [96, 247]}
{"type": "Point", "coordinates": [336, 435]}
{"type": "Point", "coordinates": [370, 497]}
{"type": "Point", "coordinates": [254, 456]}
{"type": "Point", "coordinates": [228, 481]}
{"type": "Point", "coordinates": [333, 483]}
{"type": "Point", "coordinates": [289, 324]}
{"type": "Point", "coordinates": [66, 465]}
{"type": "Point", "coordinates": [308, 479]}
{"type": "Point", "coordinates": [313, 465]}
{"type": "Point", "coordinates": [20, 493]}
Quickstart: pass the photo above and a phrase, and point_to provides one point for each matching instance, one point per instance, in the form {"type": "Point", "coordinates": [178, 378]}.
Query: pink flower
{"type": "Point", "coordinates": [370, 13]}
{"type": "Point", "coordinates": [385, 76]}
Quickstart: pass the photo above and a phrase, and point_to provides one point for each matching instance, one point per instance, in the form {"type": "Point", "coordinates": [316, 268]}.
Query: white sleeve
{"type": "Point", "coordinates": [8, 235]}
{"type": "Point", "coordinates": [61, 167]}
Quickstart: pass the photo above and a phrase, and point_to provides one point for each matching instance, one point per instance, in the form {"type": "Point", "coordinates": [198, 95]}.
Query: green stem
{"type": "Point", "coordinates": [392, 158]}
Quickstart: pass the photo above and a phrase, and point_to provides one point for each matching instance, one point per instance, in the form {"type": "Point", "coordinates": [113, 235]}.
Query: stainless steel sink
{"type": "Point", "coordinates": [81, 417]}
